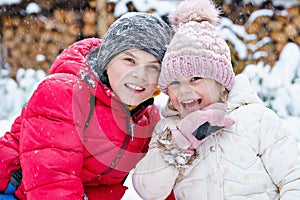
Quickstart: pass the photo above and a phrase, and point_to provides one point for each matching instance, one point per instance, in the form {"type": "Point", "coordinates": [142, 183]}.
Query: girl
{"type": "Point", "coordinates": [217, 140]}
{"type": "Point", "coordinates": [90, 121]}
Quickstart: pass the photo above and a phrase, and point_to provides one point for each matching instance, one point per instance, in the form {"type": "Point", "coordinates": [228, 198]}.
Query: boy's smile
{"type": "Point", "coordinates": [134, 87]}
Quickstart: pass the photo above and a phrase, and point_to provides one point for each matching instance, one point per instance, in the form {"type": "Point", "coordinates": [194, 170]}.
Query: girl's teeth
{"type": "Point", "coordinates": [188, 101]}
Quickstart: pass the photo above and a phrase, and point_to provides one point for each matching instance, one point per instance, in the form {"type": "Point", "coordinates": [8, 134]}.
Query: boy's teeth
{"type": "Point", "coordinates": [134, 87]}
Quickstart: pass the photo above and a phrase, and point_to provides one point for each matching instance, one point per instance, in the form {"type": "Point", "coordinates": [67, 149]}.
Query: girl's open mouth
{"type": "Point", "coordinates": [191, 105]}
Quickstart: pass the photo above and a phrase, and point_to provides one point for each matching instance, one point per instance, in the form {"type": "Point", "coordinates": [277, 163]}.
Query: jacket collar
{"type": "Point", "coordinates": [242, 93]}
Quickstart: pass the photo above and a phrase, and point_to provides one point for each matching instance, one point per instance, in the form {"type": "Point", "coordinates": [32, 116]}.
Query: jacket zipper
{"type": "Point", "coordinates": [131, 129]}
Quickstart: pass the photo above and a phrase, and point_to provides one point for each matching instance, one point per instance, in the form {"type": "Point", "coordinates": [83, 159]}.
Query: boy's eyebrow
{"type": "Point", "coordinates": [130, 54]}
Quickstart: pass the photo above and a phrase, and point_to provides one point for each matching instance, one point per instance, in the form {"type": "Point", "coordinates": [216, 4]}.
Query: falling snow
{"type": "Point", "coordinates": [278, 87]}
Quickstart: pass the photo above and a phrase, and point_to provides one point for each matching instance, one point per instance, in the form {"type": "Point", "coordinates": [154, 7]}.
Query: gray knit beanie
{"type": "Point", "coordinates": [138, 30]}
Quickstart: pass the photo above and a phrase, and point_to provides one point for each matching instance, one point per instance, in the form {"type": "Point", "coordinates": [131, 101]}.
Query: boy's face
{"type": "Point", "coordinates": [133, 75]}
{"type": "Point", "coordinates": [188, 94]}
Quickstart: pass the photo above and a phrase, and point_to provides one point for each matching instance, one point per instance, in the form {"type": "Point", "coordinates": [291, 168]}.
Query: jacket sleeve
{"type": "Point", "coordinates": [280, 155]}
{"type": "Point", "coordinates": [51, 152]}
{"type": "Point", "coordinates": [153, 177]}
{"type": "Point", "coordinates": [9, 153]}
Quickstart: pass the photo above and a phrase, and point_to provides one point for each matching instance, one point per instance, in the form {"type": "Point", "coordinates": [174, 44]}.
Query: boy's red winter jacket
{"type": "Point", "coordinates": [74, 136]}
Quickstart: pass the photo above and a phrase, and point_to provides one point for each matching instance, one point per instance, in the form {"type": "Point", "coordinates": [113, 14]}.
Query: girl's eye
{"type": "Point", "coordinates": [174, 83]}
{"type": "Point", "coordinates": [195, 78]}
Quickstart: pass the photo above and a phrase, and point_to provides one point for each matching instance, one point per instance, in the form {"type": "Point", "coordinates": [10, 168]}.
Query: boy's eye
{"type": "Point", "coordinates": [130, 60]}
{"type": "Point", "coordinates": [154, 67]}
{"type": "Point", "coordinates": [195, 78]}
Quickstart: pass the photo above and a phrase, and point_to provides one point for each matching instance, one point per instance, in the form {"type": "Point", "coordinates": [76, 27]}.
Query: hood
{"type": "Point", "coordinates": [73, 59]}
{"type": "Point", "coordinates": [242, 93]}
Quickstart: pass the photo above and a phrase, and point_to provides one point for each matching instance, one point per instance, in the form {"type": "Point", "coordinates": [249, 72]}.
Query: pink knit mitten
{"type": "Point", "coordinates": [214, 114]}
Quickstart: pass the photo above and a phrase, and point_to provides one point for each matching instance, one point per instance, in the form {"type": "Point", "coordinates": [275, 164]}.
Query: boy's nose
{"type": "Point", "coordinates": [139, 72]}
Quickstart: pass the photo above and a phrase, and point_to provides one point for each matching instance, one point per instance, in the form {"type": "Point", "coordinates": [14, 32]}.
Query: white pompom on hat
{"type": "Point", "coordinates": [196, 48]}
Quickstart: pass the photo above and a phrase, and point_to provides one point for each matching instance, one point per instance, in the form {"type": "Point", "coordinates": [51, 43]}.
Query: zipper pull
{"type": "Point", "coordinates": [131, 127]}
{"type": "Point", "coordinates": [85, 197]}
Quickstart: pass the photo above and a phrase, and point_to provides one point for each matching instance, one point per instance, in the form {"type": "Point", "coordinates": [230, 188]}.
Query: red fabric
{"type": "Point", "coordinates": [171, 196]}
{"type": "Point", "coordinates": [61, 160]}
{"type": "Point", "coordinates": [9, 153]}
{"type": "Point", "coordinates": [112, 192]}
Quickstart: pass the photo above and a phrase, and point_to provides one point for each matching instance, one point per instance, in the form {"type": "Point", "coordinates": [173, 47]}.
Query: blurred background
{"type": "Point", "coordinates": [34, 32]}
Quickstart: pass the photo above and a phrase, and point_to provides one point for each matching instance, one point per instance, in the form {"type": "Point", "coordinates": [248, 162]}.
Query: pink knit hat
{"type": "Point", "coordinates": [196, 48]}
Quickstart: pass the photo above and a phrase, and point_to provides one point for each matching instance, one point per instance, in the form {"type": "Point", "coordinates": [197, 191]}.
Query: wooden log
{"type": "Point", "coordinates": [279, 46]}
{"type": "Point", "coordinates": [293, 11]}
{"type": "Point", "coordinates": [59, 15]}
{"type": "Point", "coordinates": [46, 36]}
{"type": "Point", "coordinates": [49, 24]}
{"type": "Point", "coordinates": [74, 30]}
{"type": "Point", "coordinates": [57, 37]}
{"type": "Point", "coordinates": [262, 20]}
{"type": "Point", "coordinates": [280, 37]}
{"type": "Point", "coordinates": [39, 21]}
{"type": "Point", "coordinates": [93, 4]}
{"type": "Point", "coordinates": [272, 59]}
{"type": "Point", "coordinates": [239, 66]}
{"type": "Point", "coordinates": [275, 25]}
{"type": "Point", "coordinates": [281, 18]}
{"type": "Point", "coordinates": [71, 17]}
{"type": "Point", "coordinates": [290, 30]}
{"type": "Point", "coordinates": [269, 47]}
{"type": "Point", "coordinates": [27, 21]}
{"type": "Point", "coordinates": [7, 34]}
{"type": "Point", "coordinates": [297, 40]}
{"type": "Point", "coordinates": [13, 21]}
{"type": "Point", "coordinates": [44, 65]}
{"type": "Point", "coordinates": [103, 18]}
{"type": "Point", "coordinates": [262, 32]}
{"type": "Point", "coordinates": [89, 17]}
{"type": "Point", "coordinates": [296, 21]}
{"type": "Point", "coordinates": [89, 30]}
{"type": "Point", "coordinates": [51, 49]}
{"type": "Point", "coordinates": [252, 28]}
{"type": "Point", "coordinates": [62, 27]}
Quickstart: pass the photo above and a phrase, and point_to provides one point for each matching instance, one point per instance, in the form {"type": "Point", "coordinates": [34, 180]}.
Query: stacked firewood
{"type": "Point", "coordinates": [34, 41]}
{"type": "Point", "coordinates": [277, 29]}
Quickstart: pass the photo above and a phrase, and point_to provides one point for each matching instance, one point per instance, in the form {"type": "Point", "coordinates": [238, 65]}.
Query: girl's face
{"type": "Point", "coordinates": [188, 94]}
{"type": "Point", "coordinates": [133, 75]}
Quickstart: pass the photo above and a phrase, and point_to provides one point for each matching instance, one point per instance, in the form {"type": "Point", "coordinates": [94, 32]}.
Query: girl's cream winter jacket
{"type": "Point", "coordinates": [254, 159]}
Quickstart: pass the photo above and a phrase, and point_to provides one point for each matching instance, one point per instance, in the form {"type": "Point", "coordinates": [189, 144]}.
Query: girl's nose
{"type": "Point", "coordinates": [185, 88]}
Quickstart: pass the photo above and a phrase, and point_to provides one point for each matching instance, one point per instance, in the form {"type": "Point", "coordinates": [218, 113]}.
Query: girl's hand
{"type": "Point", "coordinates": [215, 114]}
